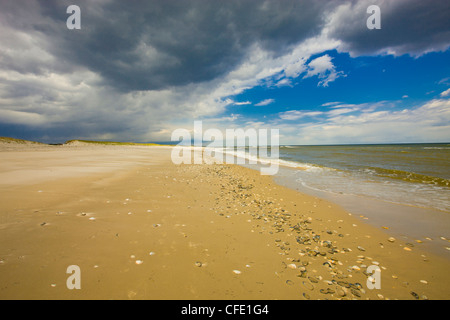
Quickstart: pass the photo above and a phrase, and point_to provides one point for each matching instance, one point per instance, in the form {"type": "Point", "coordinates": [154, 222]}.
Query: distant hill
{"type": "Point", "coordinates": [109, 143]}
{"type": "Point", "coordinates": [18, 141]}
{"type": "Point", "coordinates": [13, 141]}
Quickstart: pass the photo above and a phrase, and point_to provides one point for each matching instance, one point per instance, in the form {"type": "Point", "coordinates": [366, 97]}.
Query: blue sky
{"type": "Point", "coordinates": [312, 69]}
{"type": "Point", "coordinates": [405, 81]}
{"type": "Point", "coordinates": [384, 83]}
{"type": "Point", "coordinates": [367, 79]}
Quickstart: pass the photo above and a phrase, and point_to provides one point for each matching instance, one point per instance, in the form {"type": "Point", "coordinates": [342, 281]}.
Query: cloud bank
{"type": "Point", "coordinates": [136, 70]}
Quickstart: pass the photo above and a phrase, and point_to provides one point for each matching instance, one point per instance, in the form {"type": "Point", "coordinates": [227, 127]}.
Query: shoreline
{"type": "Point", "coordinates": [408, 222]}
{"type": "Point", "coordinates": [198, 232]}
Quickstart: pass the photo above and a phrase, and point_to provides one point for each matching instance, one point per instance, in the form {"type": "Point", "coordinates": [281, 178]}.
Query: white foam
{"type": "Point", "coordinates": [254, 159]}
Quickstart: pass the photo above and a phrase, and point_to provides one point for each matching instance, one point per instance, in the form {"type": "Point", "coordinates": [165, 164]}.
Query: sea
{"type": "Point", "coordinates": [411, 174]}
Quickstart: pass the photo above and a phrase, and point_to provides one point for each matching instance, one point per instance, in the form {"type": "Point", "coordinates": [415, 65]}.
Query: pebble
{"type": "Point", "coordinates": [391, 239]}
{"type": "Point", "coordinates": [138, 262]}
{"type": "Point", "coordinates": [407, 249]}
{"type": "Point", "coordinates": [308, 285]}
{"type": "Point", "coordinates": [361, 248]}
{"type": "Point", "coordinates": [423, 281]}
{"type": "Point", "coordinates": [327, 291]}
{"type": "Point", "coordinates": [355, 292]}
{"type": "Point", "coordinates": [292, 266]}
{"type": "Point", "coordinates": [340, 292]}
{"type": "Point", "coordinates": [237, 272]}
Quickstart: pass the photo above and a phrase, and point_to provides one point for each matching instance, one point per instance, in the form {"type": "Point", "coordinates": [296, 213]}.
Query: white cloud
{"type": "Point", "coordinates": [339, 111]}
{"type": "Point", "coordinates": [19, 117]}
{"type": "Point", "coordinates": [296, 114]}
{"type": "Point", "coordinates": [330, 104]}
{"type": "Point", "coordinates": [429, 122]}
{"type": "Point", "coordinates": [445, 81]}
{"type": "Point", "coordinates": [445, 93]}
{"type": "Point", "coordinates": [265, 102]}
{"type": "Point", "coordinates": [319, 66]}
{"type": "Point", "coordinates": [295, 68]}
{"type": "Point", "coordinates": [242, 103]}
{"type": "Point", "coordinates": [324, 69]}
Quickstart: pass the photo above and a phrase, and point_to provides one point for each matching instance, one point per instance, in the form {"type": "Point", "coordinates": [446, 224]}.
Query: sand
{"type": "Point", "coordinates": [140, 227]}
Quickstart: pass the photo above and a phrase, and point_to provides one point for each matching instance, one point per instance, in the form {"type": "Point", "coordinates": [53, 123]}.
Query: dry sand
{"type": "Point", "coordinates": [140, 227]}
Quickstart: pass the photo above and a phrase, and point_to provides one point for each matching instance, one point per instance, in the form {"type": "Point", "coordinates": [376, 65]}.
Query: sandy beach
{"type": "Point", "coordinates": [140, 227]}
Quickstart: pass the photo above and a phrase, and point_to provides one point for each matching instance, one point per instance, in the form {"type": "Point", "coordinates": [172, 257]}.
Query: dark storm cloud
{"type": "Point", "coordinates": [407, 26]}
{"type": "Point", "coordinates": [135, 66]}
{"type": "Point", "coordinates": [146, 45]}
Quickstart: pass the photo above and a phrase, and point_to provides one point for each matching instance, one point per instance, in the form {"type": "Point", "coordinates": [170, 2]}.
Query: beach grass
{"type": "Point", "coordinates": [113, 143]}
{"type": "Point", "coordinates": [19, 141]}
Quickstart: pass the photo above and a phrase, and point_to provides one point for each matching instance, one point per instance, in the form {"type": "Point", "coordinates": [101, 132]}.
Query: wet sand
{"type": "Point", "coordinates": [140, 227]}
{"type": "Point", "coordinates": [407, 222]}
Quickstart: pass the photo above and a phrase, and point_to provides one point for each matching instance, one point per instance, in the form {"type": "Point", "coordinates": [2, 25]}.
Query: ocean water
{"type": "Point", "coordinates": [411, 174]}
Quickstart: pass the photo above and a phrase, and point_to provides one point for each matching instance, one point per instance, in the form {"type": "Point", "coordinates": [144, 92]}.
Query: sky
{"type": "Point", "coordinates": [138, 70]}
